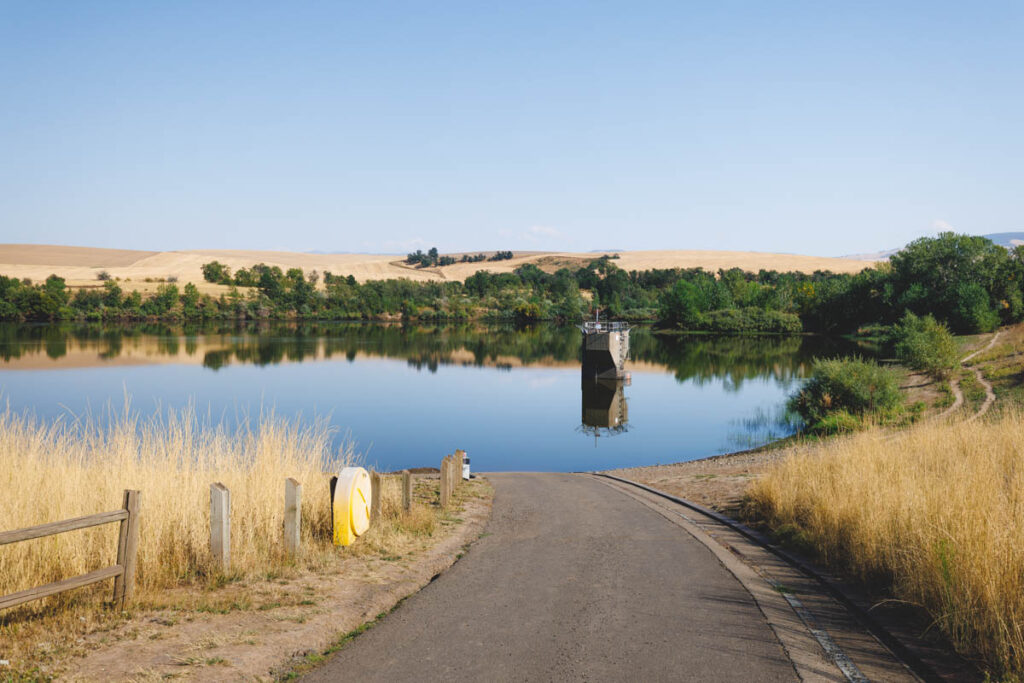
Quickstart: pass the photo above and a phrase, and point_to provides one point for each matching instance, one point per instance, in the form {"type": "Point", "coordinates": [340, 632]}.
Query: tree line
{"type": "Point", "coordinates": [968, 283]}
{"type": "Point", "coordinates": [433, 258]}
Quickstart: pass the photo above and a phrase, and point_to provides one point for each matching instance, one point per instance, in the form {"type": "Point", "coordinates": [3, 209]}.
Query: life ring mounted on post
{"type": "Point", "coordinates": [353, 495]}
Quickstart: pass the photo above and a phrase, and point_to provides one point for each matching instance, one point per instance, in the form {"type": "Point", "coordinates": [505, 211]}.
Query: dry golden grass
{"type": "Point", "coordinates": [68, 468]}
{"type": "Point", "coordinates": [80, 265]}
{"type": "Point", "coordinates": [935, 512]}
{"type": "Point", "coordinates": [82, 467]}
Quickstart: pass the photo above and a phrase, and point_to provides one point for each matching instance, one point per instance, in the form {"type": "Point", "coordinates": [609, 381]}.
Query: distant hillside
{"type": "Point", "coordinates": [81, 265]}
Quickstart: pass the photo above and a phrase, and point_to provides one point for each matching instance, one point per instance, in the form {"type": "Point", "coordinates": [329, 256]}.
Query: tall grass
{"type": "Point", "coordinates": [936, 513]}
{"type": "Point", "coordinates": [69, 467]}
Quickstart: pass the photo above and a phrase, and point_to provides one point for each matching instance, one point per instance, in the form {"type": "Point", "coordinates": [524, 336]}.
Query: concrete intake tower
{"type": "Point", "coordinates": [605, 349]}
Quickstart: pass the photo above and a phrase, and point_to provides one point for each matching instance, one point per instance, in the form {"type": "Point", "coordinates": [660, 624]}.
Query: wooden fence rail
{"type": "Point", "coordinates": [123, 572]}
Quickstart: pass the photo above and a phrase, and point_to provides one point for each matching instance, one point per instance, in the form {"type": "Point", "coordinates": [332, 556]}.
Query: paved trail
{"type": "Point", "coordinates": [575, 580]}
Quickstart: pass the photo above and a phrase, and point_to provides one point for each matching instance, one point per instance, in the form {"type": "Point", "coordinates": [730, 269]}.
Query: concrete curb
{"type": "Point", "coordinates": [907, 656]}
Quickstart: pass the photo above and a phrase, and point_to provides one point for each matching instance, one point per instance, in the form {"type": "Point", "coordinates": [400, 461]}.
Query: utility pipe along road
{"type": "Point", "coordinates": [581, 578]}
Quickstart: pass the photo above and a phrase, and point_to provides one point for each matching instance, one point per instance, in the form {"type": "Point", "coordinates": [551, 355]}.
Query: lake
{"type": "Point", "coordinates": [409, 394]}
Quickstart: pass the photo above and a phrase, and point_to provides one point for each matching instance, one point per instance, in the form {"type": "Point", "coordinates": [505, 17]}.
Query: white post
{"type": "Point", "coordinates": [220, 525]}
{"type": "Point", "coordinates": [292, 516]}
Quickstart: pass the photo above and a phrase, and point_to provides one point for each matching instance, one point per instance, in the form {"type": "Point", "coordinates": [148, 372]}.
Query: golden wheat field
{"type": "Point", "coordinates": [937, 510]}
{"type": "Point", "coordinates": [71, 467]}
{"type": "Point", "coordinates": [80, 265]}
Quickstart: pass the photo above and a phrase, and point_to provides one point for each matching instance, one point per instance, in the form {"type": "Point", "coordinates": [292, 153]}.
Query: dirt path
{"type": "Point", "coordinates": [990, 395]}
{"type": "Point", "coordinates": [958, 395]}
{"type": "Point", "coordinates": [262, 640]}
{"type": "Point", "coordinates": [958, 400]}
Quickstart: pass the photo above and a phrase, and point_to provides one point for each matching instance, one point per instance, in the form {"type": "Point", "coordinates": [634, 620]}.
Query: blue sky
{"type": "Point", "coordinates": [811, 127]}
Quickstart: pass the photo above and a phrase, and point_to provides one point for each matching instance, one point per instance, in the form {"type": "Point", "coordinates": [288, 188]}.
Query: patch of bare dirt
{"type": "Point", "coordinates": [254, 631]}
{"type": "Point", "coordinates": [717, 483]}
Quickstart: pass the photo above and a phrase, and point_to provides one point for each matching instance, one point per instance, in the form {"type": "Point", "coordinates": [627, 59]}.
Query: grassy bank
{"type": "Point", "coordinates": [57, 470]}
{"type": "Point", "coordinates": [68, 468]}
{"type": "Point", "coordinates": [933, 514]}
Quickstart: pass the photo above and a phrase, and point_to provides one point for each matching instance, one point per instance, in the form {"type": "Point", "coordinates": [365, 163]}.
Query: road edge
{"type": "Point", "coordinates": [901, 650]}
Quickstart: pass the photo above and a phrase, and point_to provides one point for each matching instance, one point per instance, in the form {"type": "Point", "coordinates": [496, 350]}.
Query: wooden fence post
{"type": "Point", "coordinates": [446, 481]}
{"type": "Point", "coordinates": [376, 496]}
{"type": "Point", "coordinates": [459, 455]}
{"type": "Point", "coordinates": [292, 516]}
{"type": "Point", "coordinates": [334, 485]}
{"type": "Point", "coordinates": [220, 525]}
{"type": "Point", "coordinates": [127, 549]}
{"type": "Point", "coordinates": [406, 490]}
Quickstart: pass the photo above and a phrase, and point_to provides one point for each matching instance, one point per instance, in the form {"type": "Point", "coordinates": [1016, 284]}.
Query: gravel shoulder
{"type": "Point", "coordinates": [717, 482]}
{"type": "Point", "coordinates": [264, 629]}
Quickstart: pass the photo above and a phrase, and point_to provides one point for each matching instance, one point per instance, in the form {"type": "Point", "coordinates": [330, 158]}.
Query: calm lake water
{"type": "Point", "coordinates": [408, 395]}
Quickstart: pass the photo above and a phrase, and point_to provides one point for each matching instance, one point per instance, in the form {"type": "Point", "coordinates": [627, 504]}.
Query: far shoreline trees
{"type": "Point", "coordinates": [966, 283]}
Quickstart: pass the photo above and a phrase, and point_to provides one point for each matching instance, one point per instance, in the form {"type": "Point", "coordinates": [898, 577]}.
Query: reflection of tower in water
{"type": "Point", "coordinates": [605, 409]}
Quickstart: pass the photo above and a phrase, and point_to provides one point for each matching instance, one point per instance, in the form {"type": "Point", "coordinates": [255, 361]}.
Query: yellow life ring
{"type": "Point", "coordinates": [352, 496]}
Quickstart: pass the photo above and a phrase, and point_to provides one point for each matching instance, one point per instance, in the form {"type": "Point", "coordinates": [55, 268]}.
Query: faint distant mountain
{"type": "Point", "coordinates": [1006, 239]}
{"type": "Point", "coordinates": [874, 256]}
{"type": "Point", "coordinates": [1003, 239]}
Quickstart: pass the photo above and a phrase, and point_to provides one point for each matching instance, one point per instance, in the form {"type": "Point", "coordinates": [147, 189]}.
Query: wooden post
{"type": "Point", "coordinates": [292, 516]}
{"type": "Point", "coordinates": [127, 549]}
{"type": "Point", "coordinates": [446, 482]}
{"type": "Point", "coordinates": [220, 525]}
{"type": "Point", "coordinates": [448, 473]}
{"type": "Point", "coordinates": [376, 496]}
{"type": "Point", "coordinates": [406, 490]}
{"type": "Point", "coordinates": [334, 485]}
{"type": "Point", "coordinates": [459, 455]}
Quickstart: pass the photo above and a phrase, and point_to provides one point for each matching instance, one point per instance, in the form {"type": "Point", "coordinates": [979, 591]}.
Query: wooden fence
{"type": "Point", "coordinates": [123, 572]}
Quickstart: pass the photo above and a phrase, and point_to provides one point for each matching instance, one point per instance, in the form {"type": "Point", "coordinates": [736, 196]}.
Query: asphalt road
{"type": "Point", "coordinates": [573, 580]}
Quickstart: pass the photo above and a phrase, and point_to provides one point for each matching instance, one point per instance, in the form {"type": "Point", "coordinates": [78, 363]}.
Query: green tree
{"type": "Point", "coordinates": [216, 272]}
{"type": "Point", "coordinates": [190, 300]}
{"type": "Point", "coordinates": [683, 304]}
{"type": "Point", "coordinates": [953, 277]}
{"type": "Point", "coordinates": [56, 288]}
{"type": "Point", "coordinates": [112, 295]}
{"type": "Point", "coordinates": [842, 388]}
{"type": "Point", "coordinates": [923, 343]}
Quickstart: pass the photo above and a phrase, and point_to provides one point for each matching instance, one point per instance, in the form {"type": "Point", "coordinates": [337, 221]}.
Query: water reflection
{"type": "Point", "coordinates": [407, 393]}
{"type": "Point", "coordinates": [701, 359]}
{"type": "Point", "coordinates": [605, 411]}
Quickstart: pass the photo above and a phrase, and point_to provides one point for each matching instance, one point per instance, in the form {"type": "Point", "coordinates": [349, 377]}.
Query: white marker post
{"type": "Point", "coordinates": [220, 525]}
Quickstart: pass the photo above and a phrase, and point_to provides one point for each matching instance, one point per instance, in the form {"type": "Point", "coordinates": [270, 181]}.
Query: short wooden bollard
{"type": "Point", "coordinates": [459, 456]}
{"type": "Point", "coordinates": [220, 525]}
{"type": "Point", "coordinates": [127, 549]}
{"type": "Point", "coordinates": [406, 490]}
{"type": "Point", "coordinates": [446, 482]}
{"type": "Point", "coordinates": [292, 516]}
{"type": "Point", "coordinates": [376, 496]}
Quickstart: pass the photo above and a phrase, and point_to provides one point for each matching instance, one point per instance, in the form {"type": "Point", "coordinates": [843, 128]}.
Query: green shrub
{"type": "Point", "coordinates": [922, 343]}
{"type": "Point", "coordinates": [857, 387]}
{"type": "Point", "coordinates": [751, 321]}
